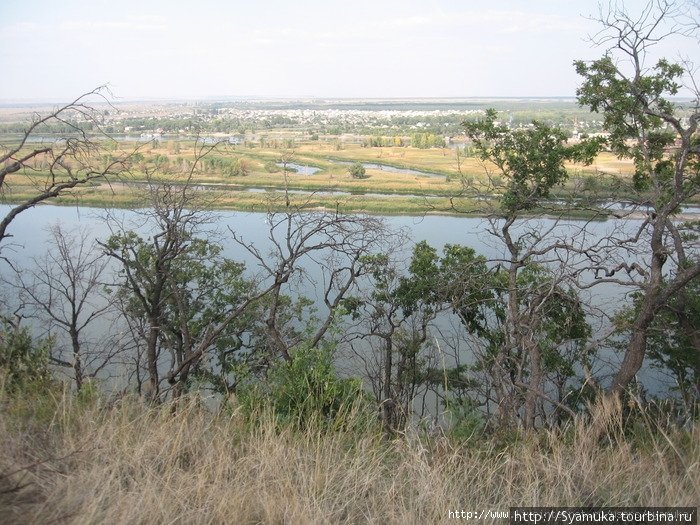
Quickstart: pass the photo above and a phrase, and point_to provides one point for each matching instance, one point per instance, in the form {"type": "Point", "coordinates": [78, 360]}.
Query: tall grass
{"type": "Point", "coordinates": [87, 461]}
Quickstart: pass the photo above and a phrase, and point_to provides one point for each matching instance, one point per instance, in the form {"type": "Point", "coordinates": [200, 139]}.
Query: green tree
{"type": "Point", "coordinates": [673, 342]}
{"type": "Point", "coordinates": [461, 282]}
{"type": "Point", "coordinates": [395, 316]}
{"type": "Point", "coordinates": [179, 291]}
{"type": "Point", "coordinates": [660, 135]}
{"type": "Point", "coordinates": [528, 165]}
{"type": "Point", "coordinates": [530, 160]}
{"type": "Point", "coordinates": [24, 362]}
{"type": "Point", "coordinates": [393, 323]}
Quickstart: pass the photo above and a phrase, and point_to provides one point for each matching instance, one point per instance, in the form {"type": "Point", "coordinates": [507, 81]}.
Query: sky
{"type": "Point", "coordinates": [153, 49]}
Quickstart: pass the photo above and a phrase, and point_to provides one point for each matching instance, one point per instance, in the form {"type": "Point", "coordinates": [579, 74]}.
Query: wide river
{"type": "Point", "coordinates": [30, 234]}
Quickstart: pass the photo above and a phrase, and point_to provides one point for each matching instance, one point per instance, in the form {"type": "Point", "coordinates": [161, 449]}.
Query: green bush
{"type": "Point", "coordinates": [467, 422]}
{"type": "Point", "coordinates": [304, 391]}
{"type": "Point", "coordinates": [23, 362]}
{"type": "Point", "coordinates": [357, 171]}
{"type": "Point", "coordinates": [272, 167]}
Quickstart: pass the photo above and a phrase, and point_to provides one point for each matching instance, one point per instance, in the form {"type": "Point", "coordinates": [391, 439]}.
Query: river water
{"type": "Point", "coordinates": [30, 234]}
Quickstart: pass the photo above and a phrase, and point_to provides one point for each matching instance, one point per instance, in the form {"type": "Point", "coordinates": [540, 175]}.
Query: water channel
{"type": "Point", "coordinates": [391, 169]}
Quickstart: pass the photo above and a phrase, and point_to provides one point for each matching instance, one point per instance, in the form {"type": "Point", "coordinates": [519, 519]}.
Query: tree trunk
{"type": "Point", "coordinates": [152, 357]}
{"type": "Point", "coordinates": [77, 365]}
{"type": "Point", "coordinates": [388, 404]}
{"type": "Point", "coordinates": [636, 349]}
{"type": "Point", "coordinates": [532, 396]}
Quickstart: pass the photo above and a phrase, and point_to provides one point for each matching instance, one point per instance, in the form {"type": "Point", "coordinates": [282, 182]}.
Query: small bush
{"type": "Point", "coordinates": [272, 167]}
{"type": "Point", "coordinates": [22, 361]}
{"type": "Point", "coordinates": [305, 390]}
{"type": "Point", "coordinates": [357, 171]}
{"type": "Point", "coordinates": [467, 421]}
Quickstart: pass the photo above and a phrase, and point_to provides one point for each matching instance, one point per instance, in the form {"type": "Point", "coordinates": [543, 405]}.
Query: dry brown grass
{"type": "Point", "coordinates": [126, 463]}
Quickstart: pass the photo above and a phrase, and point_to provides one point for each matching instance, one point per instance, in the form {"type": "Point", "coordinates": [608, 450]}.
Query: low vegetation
{"type": "Point", "coordinates": [87, 459]}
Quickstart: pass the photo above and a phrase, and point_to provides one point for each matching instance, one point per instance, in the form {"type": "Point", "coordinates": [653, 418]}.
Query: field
{"type": "Point", "coordinates": [246, 141]}
{"type": "Point", "coordinates": [253, 178]}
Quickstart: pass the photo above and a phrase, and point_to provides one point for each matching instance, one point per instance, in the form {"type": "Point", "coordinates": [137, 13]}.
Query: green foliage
{"type": "Point", "coordinates": [461, 281]}
{"type": "Point", "coordinates": [466, 420]}
{"type": "Point", "coordinates": [90, 394]}
{"type": "Point", "coordinates": [562, 315]}
{"type": "Point", "coordinates": [531, 160]}
{"type": "Point", "coordinates": [658, 133]}
{"type": "Point", "coordinates": [357, 171]}
{"type": "Point", "coordinates": [402, 307]}
{"type": "Point", "coordinates": [672, 341]}
{"type": "Point", "coordinates": [240, 168]}
{"type": "Point", "coordinates": [624, 101]}
{"type": "Point", "coordinates": [637, 111]}
{"type": "Point", "coordinates": [272, 167]}
{"type": "Point", "coordinates": [161, 161]}
{"type": "Point", "coordinates": [303, 391]}
{"type": "Point", "coordinates": [427, 140]}
{"type": "Point", "coordinates": [23, 362]}
{"type": "Point", "coordinates": [561, 326]}
{"type": "Point", "coordinates": [227, 166]}
{"type": "Point", "coordinates": [379, 141]}
{"type": "Point", "coordinates": [246, 351]}
{"type": "Point", "coordinates": [458, 279]}
{"type": "Point", "coordinates": [196, 273]}
{"type": "Point", "coordinates": [187, 287]}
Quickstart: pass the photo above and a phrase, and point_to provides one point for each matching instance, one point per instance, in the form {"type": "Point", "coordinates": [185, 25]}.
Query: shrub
{"type": "Point", "coordinates": [22, 361]}
{"type": "Point", "coordinates": [305, 390]}
{"type": "Point", "coordinates": [271, 167]}
{"type": "Point", "coordinates": [357, 171]}
{"type": "Point", "coordinates": [467, 422]}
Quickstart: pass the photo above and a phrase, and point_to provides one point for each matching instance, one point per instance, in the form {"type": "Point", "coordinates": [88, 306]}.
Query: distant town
{"type": "Point", "coordinates": [347, 119]}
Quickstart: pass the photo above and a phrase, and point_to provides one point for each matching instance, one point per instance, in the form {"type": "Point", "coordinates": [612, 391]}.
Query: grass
{"type": "Point", "coordinates": [123, 195]}
{"type": "Point", "coordinates": [382, 192]}
{"type": "Point", "coordinates": [74, 461]}
{"type": "Point", "coordinates": [272, 198]}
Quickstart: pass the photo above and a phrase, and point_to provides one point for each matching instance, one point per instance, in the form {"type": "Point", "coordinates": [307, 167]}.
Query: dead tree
{"type": "Point", "coordinates": [304, 243]}
{"type": "Point", "coordinates": [64, 288]}
{"type": "Point", "coordinates": [57, 166]}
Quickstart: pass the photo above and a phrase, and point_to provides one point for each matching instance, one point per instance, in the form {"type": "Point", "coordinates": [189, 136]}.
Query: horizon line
{"type": "Point", "coordinates": [309, 98]}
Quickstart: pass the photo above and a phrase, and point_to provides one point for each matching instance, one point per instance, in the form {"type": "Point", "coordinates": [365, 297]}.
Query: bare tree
{"type": "Point", "coordinates": [57, 165]}
{"type": "Point", "coordinates": [323, 250]}
{"type": "Point", "coordinates": [65, 289]}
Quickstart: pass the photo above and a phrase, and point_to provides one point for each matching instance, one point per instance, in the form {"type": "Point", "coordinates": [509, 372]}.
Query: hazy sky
{"type": "Point", "coordinates": [306, 48]}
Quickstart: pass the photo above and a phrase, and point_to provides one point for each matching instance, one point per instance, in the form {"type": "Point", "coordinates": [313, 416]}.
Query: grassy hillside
{"type": "Point", "coordinates": [85, 460]}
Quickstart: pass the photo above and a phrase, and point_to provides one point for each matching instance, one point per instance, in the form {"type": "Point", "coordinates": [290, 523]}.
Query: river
{"type": "Point", "coordinates": [30, 234]}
